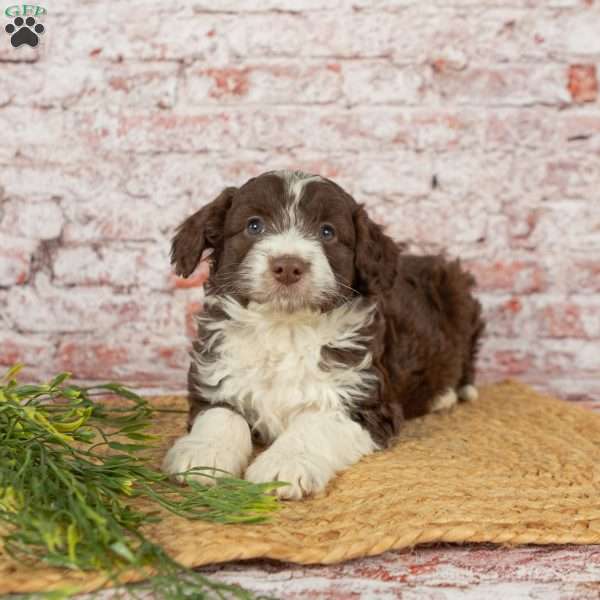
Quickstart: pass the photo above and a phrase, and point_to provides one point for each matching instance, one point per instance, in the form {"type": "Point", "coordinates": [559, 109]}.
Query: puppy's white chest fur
{"type": "Point", "coordinates": [270, 365]}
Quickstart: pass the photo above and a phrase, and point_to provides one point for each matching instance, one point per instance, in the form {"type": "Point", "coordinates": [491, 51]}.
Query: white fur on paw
{"type": "Point", "coordinates": [444, 401]}
{"type": "Point", "coordinates": [468, 393]}
{"type": "Point", "coordinates": [188, 453]}
{"type": "Point", "coordinates": [303, 473]}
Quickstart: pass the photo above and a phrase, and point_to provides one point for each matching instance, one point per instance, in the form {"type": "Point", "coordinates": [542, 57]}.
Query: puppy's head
{"type": "Point", "coordinates": [288, 239]}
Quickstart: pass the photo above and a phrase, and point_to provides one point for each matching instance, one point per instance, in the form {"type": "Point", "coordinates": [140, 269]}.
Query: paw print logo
{"type": "Point", "coordinates": [24, 32]}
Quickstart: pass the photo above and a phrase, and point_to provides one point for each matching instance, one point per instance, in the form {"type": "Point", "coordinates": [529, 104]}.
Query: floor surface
{"type": "Point", "coordinates": [442, 572]}
{"type": "Point", "coordinates": [438, 572]}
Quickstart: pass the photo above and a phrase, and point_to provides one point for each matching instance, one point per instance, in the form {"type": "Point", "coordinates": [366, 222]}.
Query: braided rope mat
{"type": "Point", "coordinates": [513, 468]}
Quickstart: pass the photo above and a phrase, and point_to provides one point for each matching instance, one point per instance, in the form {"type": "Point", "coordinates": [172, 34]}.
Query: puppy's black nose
{"type": "Point", "coordinates": [288, 269]}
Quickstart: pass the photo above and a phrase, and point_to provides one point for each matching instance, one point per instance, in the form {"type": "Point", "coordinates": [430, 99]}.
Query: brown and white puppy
{"type": "Point", "coordinates": [319, 336]}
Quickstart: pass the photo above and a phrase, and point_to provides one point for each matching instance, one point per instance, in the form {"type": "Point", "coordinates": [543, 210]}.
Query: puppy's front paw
{"type": "Point", "coordinates": [304, 473]}
{"type": "Point", "coordinates": [188, 453]}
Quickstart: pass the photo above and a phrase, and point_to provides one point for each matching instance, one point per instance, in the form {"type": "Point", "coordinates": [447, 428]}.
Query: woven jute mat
{"type": "Point", "coordinates": [514, 467]}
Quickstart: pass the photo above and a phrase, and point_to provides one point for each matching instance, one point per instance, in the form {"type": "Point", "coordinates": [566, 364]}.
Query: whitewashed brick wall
{"type": "Point", "coordinates": [471, 126]}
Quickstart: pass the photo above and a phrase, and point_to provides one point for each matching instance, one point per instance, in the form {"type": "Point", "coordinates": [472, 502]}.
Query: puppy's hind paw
{"type": "Point", "coordinates": [468, 393]}
{"type": "Point", "coordinates": [444, 401]}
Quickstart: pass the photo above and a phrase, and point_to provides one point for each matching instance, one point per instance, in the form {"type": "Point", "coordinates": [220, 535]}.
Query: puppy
{"type": "Point", "coordinates": [319, 335]}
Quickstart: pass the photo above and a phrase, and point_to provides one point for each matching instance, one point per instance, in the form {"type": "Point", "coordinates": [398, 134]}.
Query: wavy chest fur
{"type": "Point", "coordinates": [270, 365]}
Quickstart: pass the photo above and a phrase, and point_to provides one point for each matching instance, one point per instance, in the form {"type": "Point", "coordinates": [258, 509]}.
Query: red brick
{"type": "Point", "coordinates": [523, 128]}
{"type": "Point", "coordinates": [280, 83]}
{"type": "Point", "coordinates": [203, 130]}
{"type": "Point", "coordinates": [442, 130]}
{"type": "Point", "coordinates": [175, 356]}
{"type": "Point", "coordinates": [559, 362]}
{"type": "Point", "coordinates": [570, 320]}
{"type": "Point", "coordinates": [15, 259]}
{"type": "Point", "coordinates": [573, 176]}
{"type": "Point", "coordinates": [564, 357]}
{"type": "Point", "coordinates": [148, 85]}
{"type": "Point", "coordinates": [583, 83]}
{"type": "Point", "coordinates": [228, 81]}
{"type": "Point", "coordinates": [46, 308]}
{"type": "Point", "coordinates": [562, 321]}
{"type": "Point", "coordinates": [144, 266]}
{"type": "Point", "coordinates": [506, 317]}
{"type": "Point", "coordinates": [514, 362]}
{"type": "Point", "coordinates": [583, 275]}
{"type": "Point", "coordinates": [516, 276]}
{"type": "Point", "coordinates": [92, 360]}
{"type": "Point", "coordinates": [146, 360]}
{"type": "Point", "coordinates": [35, 352]}
{"type": "Point", "coordinates": [503, 86]}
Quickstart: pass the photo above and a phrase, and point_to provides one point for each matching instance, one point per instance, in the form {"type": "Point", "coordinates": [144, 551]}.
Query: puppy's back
{"type": "Point", "coordinates": [433, 305]}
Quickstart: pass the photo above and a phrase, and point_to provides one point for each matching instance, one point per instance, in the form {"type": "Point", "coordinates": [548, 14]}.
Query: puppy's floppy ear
{"type": "Point", "coordinates": [204, 229]}
{"type": "Point", "coordinates": [376, 255]}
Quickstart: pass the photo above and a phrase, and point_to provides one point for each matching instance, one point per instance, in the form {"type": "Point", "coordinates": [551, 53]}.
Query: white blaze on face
{"type": "Point", "coordinates": [296, 181]}
{"type": "Point", "coordinates": [318, 281]}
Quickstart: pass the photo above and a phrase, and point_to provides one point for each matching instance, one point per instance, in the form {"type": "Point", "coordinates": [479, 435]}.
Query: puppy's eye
{"type": "Point", "coordinates": [255, 226]}
{"type": "Point", "coordinates": [327, 232]}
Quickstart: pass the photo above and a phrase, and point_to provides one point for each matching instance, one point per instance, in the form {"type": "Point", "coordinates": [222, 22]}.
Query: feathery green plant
{"type": "Point", "coordinates": [69, 466]}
